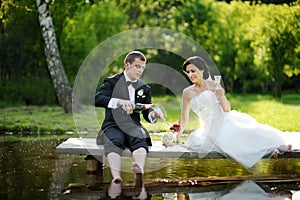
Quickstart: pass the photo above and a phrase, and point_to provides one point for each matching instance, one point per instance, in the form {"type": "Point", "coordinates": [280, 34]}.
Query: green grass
{"type": "Point", "coordinates": [283, 114]}
{"type": "Point", "coordinates": [33, 119]}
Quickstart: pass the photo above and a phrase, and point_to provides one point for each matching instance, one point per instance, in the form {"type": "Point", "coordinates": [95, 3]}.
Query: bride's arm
{"type": "Point", "coordinates": [220, 93]}
{"type": "Point", "coordinates": [184, 118]}
{"type": "Point", "coordinates": [223, 100]}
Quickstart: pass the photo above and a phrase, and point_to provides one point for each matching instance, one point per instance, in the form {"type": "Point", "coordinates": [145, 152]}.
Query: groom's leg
{"type": "Point", "coordinates": [137, 139]}
{"type": "Point", "coordinates": [139, 157]}
{"type": "Point", "coordinates": [114, 162]}
{"type": "Point", "coordinates": [114, 145]}
{"type": "Point", "coordinates": [139, 148]}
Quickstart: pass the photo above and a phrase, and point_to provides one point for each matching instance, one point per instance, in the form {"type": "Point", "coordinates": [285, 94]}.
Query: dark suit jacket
{"type": "Point", "coordinates": [116, 87]}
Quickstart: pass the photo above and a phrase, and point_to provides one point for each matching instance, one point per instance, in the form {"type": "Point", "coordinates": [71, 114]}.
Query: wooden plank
{"type": "Point", "coordinates": [88, 146]}
{"type": "Point", "coordinates": [281, 182]}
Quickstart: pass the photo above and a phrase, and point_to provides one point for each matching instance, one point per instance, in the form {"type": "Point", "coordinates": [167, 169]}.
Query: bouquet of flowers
{"type": "Point", "coordinates": [168, 138]}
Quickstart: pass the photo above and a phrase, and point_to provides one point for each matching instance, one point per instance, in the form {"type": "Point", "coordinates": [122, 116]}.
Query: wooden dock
{"type": "Point", "coordinates": [96, 188]}
{"type": "Point", "coordinates": [94, 153]}
{"type": "Point", "coordinates": [88, 146]}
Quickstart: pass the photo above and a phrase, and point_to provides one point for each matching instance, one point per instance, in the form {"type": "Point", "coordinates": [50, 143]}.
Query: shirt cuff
{"type": "Point", "coordinates": [152, 121]}
{"type": "Point", "coordinates": [113, 103]}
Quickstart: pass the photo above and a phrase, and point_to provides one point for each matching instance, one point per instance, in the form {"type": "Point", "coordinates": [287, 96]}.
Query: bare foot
{"type": "Point", "coordinates": [289, 148]}
{"type": "Point", "coordinates": [275, 154]}
{"type": "Point", "coordinates": [115, 188]}
{"type": "Point", "coordinates": [137, 187]}
{"type": "Point", "coordinates": [141, 195]}
{"type": "Point", "coordinates": [117, 180]}
{"type": "Point", "coordinates": [136, 168]}
{"type": "Point", "coordinates": [286, 148]}
{"type": "Point", "coordinates": [139, 191]}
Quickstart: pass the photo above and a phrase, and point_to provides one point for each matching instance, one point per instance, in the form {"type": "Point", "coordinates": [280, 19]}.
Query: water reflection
{"type": "Point", "coordinates": [30, 169]}
{"type": "Point", "coordinates": [245, 190]}
{"type": "Point", "coordinates": [26, 168]}
{"type": "Point", "coordinates": [137, 191]}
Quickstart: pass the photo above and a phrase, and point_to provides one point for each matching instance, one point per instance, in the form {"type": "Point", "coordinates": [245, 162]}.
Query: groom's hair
{"type": "Point", "coordinates": [199, 63]}
{"type": "Point", "coordinates": [131, 56]}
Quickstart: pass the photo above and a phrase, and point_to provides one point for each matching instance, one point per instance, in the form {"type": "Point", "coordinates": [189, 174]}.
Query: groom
{"type": "Point", "coordinates": [121, 127]}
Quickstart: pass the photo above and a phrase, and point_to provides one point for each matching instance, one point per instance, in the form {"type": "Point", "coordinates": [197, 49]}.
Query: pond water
{"type": "Point", "coordinates": [30, 169]}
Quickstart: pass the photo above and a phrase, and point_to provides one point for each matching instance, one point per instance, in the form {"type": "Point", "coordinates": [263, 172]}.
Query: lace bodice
{"type": "Point", "coordinates": [206, 106]}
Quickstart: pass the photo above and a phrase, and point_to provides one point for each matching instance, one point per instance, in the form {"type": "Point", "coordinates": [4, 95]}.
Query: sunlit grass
{"type": "Point", "coordinates": [35, 119]}
{"type": "Point", "coordinates": [283, 114]}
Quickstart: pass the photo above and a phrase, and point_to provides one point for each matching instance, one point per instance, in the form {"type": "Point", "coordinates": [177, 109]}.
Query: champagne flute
{"type": "Point", "coordinates": [158, 109]}
{"type": "Point", "coordinates": [217, 81]}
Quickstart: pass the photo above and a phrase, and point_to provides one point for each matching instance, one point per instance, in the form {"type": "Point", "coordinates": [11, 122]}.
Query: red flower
{"type": "Point", "coordinates": [175, 127]}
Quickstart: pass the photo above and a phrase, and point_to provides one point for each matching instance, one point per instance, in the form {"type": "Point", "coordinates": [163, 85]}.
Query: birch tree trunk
{"type": "Point", "coordinates": [59, 79]}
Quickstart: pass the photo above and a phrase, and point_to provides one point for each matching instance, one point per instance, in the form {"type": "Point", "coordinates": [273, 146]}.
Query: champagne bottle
{"type": "Point", "coordinates": [138, 107]}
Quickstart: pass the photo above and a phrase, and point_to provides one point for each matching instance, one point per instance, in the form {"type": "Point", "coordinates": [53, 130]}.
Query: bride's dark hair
{"type": "Point", "coordinates": [199, 63]}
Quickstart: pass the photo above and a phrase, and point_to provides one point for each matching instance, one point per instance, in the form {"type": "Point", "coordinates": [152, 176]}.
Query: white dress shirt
{"type": "Point", "coordinates": [113, 103]}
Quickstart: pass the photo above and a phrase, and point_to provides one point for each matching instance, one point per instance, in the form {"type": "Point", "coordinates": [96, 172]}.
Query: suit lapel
{"type": "Point", "coordinates": [120, 89]}
{"type": "Point", "coordinates": [140, 84]}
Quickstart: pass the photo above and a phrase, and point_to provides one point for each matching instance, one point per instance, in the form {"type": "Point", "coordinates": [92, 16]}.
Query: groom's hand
{"type": "Point", "coordinates": [126, 105]}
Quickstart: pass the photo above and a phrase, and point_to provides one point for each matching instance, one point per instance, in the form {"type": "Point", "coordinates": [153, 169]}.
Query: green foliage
{"type": "Point", "coordinates": [144, 13]}
{"type": "Point", "coordinates": [23, 74]}
{"type": "Point", "coordinates": [255, 46]}
{"type": "Point", "coordinates": [275, 42]}
{"type": "Point", "coordinates": [86, 29]}
{"type": "Point", "coordinates": [31, 92]}
{"type": "Point", "coordinates": [20, 45]}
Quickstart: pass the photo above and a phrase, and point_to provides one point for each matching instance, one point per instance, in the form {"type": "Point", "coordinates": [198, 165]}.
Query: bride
{"type": "Point", "coordinates": [233, 134]}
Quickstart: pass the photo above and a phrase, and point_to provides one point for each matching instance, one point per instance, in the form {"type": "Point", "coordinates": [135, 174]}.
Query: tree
{"type": "Point", "coordinates": [81, 35]}
{"type": "Point", "coordinates": [54, 63]}
{"type": "Point", "coordinates": [276, 43]}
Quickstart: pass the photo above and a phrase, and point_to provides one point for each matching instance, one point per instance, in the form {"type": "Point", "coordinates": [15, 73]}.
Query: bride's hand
{"type": "Point", "coordinates": [178, 137]}
{"type": "Point", "coordinates": [175, 127]}
{"type": "Point", "coordinates": [220, 92]}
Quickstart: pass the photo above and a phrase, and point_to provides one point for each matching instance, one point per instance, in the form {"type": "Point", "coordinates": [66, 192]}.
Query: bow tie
{"type": "Point", "coordinates": [134, 84]}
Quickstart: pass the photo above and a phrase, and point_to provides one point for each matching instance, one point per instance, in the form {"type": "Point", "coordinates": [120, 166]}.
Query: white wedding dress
{"type": "Point", "coordinates": [233, 134]}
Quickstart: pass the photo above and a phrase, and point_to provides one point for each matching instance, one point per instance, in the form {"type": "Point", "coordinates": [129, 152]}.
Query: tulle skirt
{"type": "Point", "coordinates": [241, 138]}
